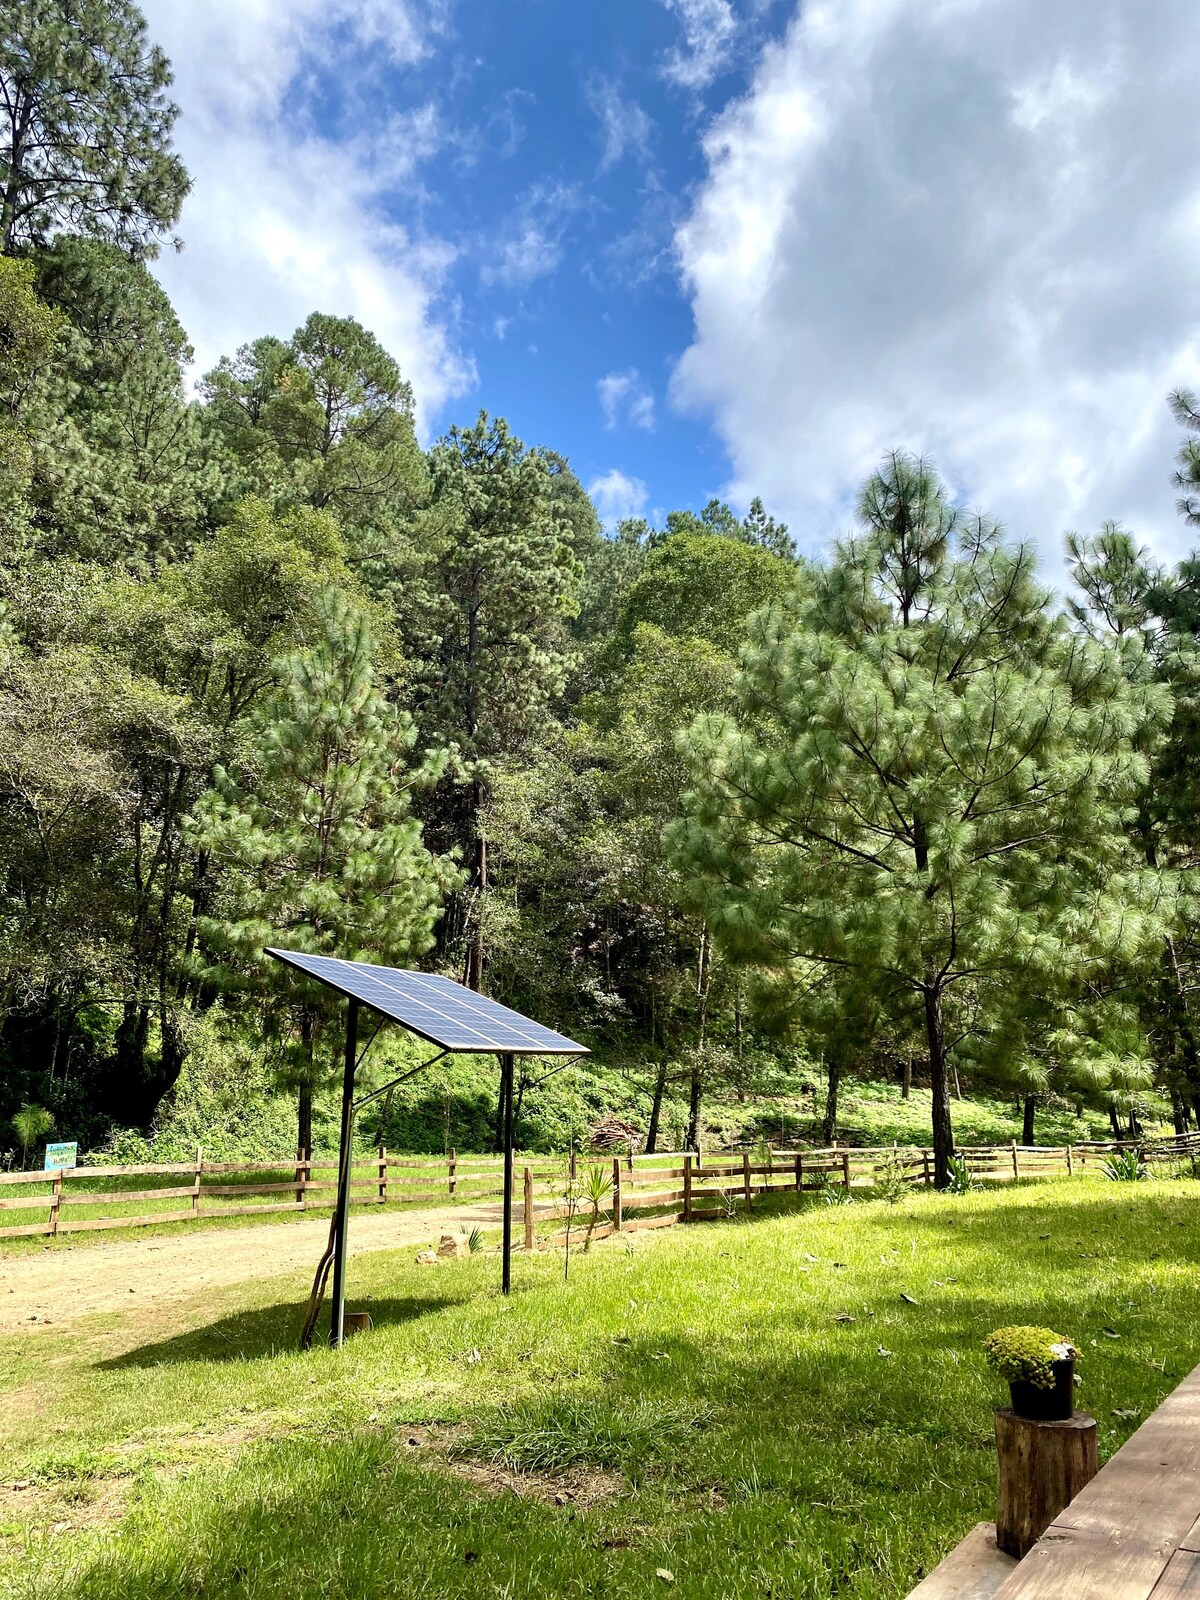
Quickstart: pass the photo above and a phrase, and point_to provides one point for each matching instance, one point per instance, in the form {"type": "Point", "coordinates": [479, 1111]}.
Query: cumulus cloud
{"type": "Point", "coordinates": [969, 227]}
{"type": "Point", "coordinates": [283, 220]}
{"type": "Point", "coordinates": [624, 398]}
{"type": "Point", "coordinates": [616, 497]}
{"type": "Point", "coordinates": [709, 31]}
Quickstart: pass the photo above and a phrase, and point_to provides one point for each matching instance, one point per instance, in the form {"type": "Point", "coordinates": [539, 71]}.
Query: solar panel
{"type": "Point", "coordinates": [438, 1009]}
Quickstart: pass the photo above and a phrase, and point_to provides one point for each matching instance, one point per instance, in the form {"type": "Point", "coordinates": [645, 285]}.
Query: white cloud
{"type": "Point", "coordinates": [970, 227]}
{"type": "Point", "coordinates": [616, 497]}
{"type": "Point", "coordinates": [709, 31]}
{"type": "Point", "coordinates": [624, 126]}
{"type": "Point", "coordinates": [533, 246]}
{"type": "Point", "coordinates": [624, 398]}
{"type": "Point", "coordinates": [283, 220]}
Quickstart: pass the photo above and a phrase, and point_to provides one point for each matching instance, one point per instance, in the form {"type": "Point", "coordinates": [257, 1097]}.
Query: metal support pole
{"type": "Point", "coordinates": [506, 1097]}
{"type": "Point", "coordinates": [345, 1159]}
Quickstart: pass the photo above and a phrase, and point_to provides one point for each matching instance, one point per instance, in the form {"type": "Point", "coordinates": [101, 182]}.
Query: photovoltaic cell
{"type": "Point", "coordinates": [440, 1010]}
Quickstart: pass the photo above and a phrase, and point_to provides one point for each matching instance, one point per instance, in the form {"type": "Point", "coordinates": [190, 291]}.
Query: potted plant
{"type": "Point", "coordinates": [1039, 1368]}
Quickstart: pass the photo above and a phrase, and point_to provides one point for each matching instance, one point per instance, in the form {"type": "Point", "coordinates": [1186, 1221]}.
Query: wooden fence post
{"type": "Point", "coordinates": [1070, 1168]}
{"type": "Point", "coordinates": [452, 1169]}
{"type": "Point", "coordinates": [925, 1166]}
{"type": "Point", "coordinates": [846, 1169]}
{"type": "Point", "coordinates": [687, 1188]}
{"type": "Point", "coordinates": [196, 1183]}
{"type": "Point", "coordinates": [302, 1174]}
{"type": "Point", "coordinates": [799, 1172]}
{"type": "Point", "coordinates": [528, 1195]}
{"type": "Point", "coordinates": [747, 1189]}
{"type": "Point", "coordinates": [1016, 1169]}
{"type": "Point", "coordinates": [383, 1174]}
{"type": "Point", "coordinates": [55, 1199]}
{"type": "Point", "coordinates": [616, 1205]}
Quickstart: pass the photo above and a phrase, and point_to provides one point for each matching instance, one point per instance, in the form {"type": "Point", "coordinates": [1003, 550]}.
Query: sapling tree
{"type": "Point", "coordinates": [925, 779]}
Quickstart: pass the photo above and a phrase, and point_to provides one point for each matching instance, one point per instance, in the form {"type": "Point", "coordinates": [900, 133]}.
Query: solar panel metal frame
{"type": "Point", "coordinates": [375, 978]}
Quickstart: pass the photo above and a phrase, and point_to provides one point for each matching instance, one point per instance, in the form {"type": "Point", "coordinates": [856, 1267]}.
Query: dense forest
{"type": "Point", "coordinates": [737, 818]}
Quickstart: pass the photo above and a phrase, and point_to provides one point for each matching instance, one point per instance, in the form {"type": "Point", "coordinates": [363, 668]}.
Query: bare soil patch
{"type": "Point", "coordinates": [59, 1286]}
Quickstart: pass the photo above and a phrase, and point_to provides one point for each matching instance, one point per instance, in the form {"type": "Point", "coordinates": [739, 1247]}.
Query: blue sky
{"type": "Point", "coordinates": [726, 246]}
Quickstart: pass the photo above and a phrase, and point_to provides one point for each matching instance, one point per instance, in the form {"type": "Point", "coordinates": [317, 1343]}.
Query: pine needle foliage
{"type": "Point", "coordinates": [317, 835]}
{"type": "Point", "coordinates": [927, 775]}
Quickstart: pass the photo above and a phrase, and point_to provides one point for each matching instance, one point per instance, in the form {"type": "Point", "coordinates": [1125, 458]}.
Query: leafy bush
{"type": "Point", "coordinates": [1027, 1354]}
{"type": "Point", "coordinates": [891, 1181]}
{"type": "Point", "coordinates": [1127, 1166]}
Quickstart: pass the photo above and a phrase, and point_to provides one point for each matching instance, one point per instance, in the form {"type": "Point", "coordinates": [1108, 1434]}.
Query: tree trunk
{"type": "Point", "coordinates": [660, 1085]}
{"type": "Point", "coordinates": [1027, 1125]}
{"type": "Point", "coordinates": [906, 1088]}
{"type": "Point", "coordinates": [833, 1078]}
{"type": "Point", "coordinates": [473, 969]}
{"type": "Point", "coordinates": [695, 1095]}
{"type": "Point", "coordinates": [1114, 1121]}
{"type": "Point", "coordinates": [304, 1122]}
{"type": "Point", "coordinates": [1178, 1113]}
{"type": "Point", "coordinates": [939, 1082]}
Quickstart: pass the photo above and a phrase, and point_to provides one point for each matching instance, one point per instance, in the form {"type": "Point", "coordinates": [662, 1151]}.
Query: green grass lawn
{"type": "Point", "coordinates": [748, 1406]}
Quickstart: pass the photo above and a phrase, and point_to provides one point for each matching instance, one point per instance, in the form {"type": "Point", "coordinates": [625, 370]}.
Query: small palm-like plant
{"type": "Point", "coordinates": [594, 1189]}
{"type": "Point", "coordinates": [962, 1179]}
{"type": "Point", "coordinates": [1127, 1166]}
{"type": "Point", "coordinates": [30, 1124]}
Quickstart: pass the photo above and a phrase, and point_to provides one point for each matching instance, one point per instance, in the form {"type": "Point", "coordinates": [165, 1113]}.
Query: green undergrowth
{"type": "Point", "coordinates": [794, 1403]}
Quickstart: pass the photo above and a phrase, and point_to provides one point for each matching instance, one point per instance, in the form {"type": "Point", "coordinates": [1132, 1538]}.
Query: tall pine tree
{"type": "Point", "coordinates": [926, 778]}
{"type": "Point", "coordinates": [507, 578]}
{"type": "Point", "coordinates": [319, 845]}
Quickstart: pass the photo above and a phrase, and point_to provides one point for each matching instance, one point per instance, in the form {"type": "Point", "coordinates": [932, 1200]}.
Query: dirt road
{"type": "Point", "coordinates": [56, 1287]}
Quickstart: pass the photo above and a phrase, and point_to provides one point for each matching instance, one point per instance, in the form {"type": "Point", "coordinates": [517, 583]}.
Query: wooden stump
{"type": "Point", "coordinates": [356, 1322]}
{"type": "Point", "coordinates": [1041, 1467]}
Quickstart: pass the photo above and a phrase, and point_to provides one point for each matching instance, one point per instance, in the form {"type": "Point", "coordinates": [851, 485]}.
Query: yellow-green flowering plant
{"type": "Point", "coordinates": [1027, 1355]}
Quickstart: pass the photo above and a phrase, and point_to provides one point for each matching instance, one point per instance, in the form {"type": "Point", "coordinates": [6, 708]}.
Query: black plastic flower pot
{"type": "Point", "coordinates": [1055, 1404]}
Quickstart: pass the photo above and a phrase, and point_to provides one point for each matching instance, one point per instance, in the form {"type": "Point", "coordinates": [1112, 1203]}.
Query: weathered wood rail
{"type": "Point", "coordinates": [657, 1191]}
{"type": "Point", "coordinates": [648, 1191]}
{"type": "Point", "coordinates": [84, 1199]}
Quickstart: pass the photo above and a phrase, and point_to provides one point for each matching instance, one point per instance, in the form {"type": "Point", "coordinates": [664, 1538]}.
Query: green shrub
{"type": "Point", "coordinates": [1127, 1166]}
{"type": "Point", "coordinates": [1027, 1354]}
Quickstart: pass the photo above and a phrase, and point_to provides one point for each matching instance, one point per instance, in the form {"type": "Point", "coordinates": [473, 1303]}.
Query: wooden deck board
{"type": "Point", "coordinates": [1181, 1580]}
{"type": "Point", "coordinates": [1117, 1538]}
{"type": "Point", "coordinates": [974, 1569]}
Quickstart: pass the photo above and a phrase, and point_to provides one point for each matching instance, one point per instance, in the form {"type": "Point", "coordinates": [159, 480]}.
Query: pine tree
{"type": "Point", "coordinates": [86, 140]}
{"type": "Point", "coordinates": [926, 778]}
{"type": "Point", "coordinates": [507, 579]}
{"type": "Point", "coordinates": [317, 838]}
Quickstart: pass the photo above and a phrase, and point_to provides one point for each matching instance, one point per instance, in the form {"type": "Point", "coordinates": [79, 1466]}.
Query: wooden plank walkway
{"type": "Point", "coordinates": [973, 1570]}
{"type": "Point", "coordinates": [1134, 1531]}
{"type": "Point", "coordinates": [1132, 1534]}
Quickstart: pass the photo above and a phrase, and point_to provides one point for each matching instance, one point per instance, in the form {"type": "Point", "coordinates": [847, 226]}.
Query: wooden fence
{"type": "Point", "coordinates": [647, 1191]}
{"type": "Point", "coordinates": [85, 1199]}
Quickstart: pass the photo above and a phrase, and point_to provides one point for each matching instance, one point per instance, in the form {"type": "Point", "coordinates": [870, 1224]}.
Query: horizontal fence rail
{"type": "Point", "coordinates": [692, 1188]}
{"type": "Point", "coordinates": [644, 1191]}
{"type": "Point", "coordinates": [50, 1203]}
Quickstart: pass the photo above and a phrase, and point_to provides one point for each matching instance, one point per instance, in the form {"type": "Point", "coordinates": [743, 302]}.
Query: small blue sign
{"type": "Point", "coordinates": [60, 1155]}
